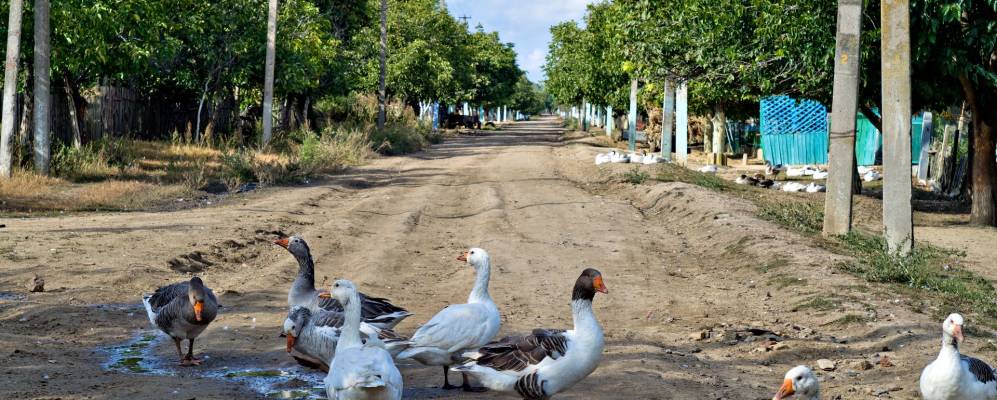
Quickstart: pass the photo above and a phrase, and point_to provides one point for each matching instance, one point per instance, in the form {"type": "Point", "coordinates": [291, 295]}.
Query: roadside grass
{"type": "Point", "coordinates": [819, 303]}
{"type": "Point", "coordinates": [921, 275]}
{"type": "Point", "coordinates": [635, 176]}
{"type": "Point", "coordinates": [125, 174]}
{"type": "Point", "coordinates": [850, 319]}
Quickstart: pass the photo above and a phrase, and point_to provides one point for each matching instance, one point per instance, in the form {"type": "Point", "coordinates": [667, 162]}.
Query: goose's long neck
{"type": "Point", "coordinates": [585, 321]}
{"type": "Point", "coordinates": [304, 284]}
{"type": "Point", "coordinates": [479, 294]}
{"type": "Point", "coordinates": [351, 325]}
{"type": "Point", "coordinates": [949, 346]}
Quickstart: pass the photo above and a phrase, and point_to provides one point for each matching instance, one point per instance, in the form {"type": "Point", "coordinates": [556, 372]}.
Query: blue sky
{"type": "Point", "coordinates": [523, 22]}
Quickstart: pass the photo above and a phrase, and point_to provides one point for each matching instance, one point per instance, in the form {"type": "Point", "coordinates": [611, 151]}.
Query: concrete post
{"type": "Point", "coordinates": [632, 128]}
{"type": "Point", "coordinates": [897, 213]}
{"type": "Point", "coordinates": [844, 104]}
{"type": "Point", "coordinates": [667, 114]}
{"type": "Point", "coordinates": [682, 123]}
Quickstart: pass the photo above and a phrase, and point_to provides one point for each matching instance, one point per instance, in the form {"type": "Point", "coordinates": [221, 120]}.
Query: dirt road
{"type": "Point", "coordinates": [698, 285]}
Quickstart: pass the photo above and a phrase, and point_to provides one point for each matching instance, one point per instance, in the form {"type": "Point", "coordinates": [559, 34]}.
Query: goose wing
{"type": "Point", "coordinates": [166, 294]}
{"type": "Point", "coordinates": [454, 328]}
{"type": "Point", "coordinates": [981, 370]}
{"type": "Point", "coordinates": [515, 353]}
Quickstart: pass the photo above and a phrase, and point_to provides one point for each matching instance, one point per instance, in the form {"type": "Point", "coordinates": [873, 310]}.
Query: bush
{"type": "Point", "coordinates": [399, 139]}
{"type": "Point", "coordinates": [94, 161]}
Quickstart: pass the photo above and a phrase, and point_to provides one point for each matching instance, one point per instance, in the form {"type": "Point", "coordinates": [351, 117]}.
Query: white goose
{"type": "Point", "coordinates": [953, 375]}
{"type": "Point", "coordinates": [602, 158]}
{"type": "Point", "coordinates": [799, 381]}
{"type": "Point", "coordinates": [459, 327]}
{"type": "Point", "coordinates": [615, 157]}
{"type": "Point", "coordinates": [820, 174]}
{"type": "Point", "coordinates": [708, 169]}
{"type": "Point", "coordinates": [359, 371]}
{"type": "Point", "coordinates": [312, 336]}
{"type": "Point", "coordinates": [815, 188]}
{"type": "Point", "coordinates": [546, 362]}
{"type": "Point", "coordinates": [872, 175]}
{"type": "Point", "coordinates": [792, 186]}
{"type": "Point", "coordinates": [637, 158]}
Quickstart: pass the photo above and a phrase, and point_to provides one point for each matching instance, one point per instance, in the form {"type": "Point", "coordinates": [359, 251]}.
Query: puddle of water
{"type": "Point", "coordinates": [12, 296]}
{"type": "Point", "coordinates": [138, 356]}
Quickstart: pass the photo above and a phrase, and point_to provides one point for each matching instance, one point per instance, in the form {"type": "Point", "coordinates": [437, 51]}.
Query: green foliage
{"type": "Point", "coordinates": [92, 161]}
{"type": "Point", "coordinates": [802, 216]}
{"type": "Point", "coordinates": [635, 176]}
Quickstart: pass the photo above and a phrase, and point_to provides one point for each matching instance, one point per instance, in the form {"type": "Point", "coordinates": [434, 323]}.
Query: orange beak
{"type": "Point", "coordinates": [785, 391]}
{"type": "Point", "coordinates": [600, 286]}
{"type": "Point", "coordinates": [290, 342]}
{"type": "Point", "coordinates": [324, 295]}
{"type": "Point", "coordinates": [957, 332]}
{"type": "Point", "coordinates": [462, 257]}
{"type": "Point", "coordinates": [281, 242]}
{"type": "Point", "coordinates": [198, 306]}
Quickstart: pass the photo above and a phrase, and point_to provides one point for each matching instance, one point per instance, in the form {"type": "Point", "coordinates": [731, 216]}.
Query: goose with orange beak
{"type": "Point", "coordinates": [182, 310]}
{"type": "Point", "coordinates": [376, 311]}
{"type": "Point", "coordinates": [953, 375]}
{"type": "Point", "coordinates": [547, 361]}
{"type": "Point", "coordinates": [459, 327]}
{"type": "Point", "coordinates": [800, 382]}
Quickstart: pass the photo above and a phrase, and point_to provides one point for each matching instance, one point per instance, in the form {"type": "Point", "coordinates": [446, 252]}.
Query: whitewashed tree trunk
{"type": "Point", "coordinates": [719, 120]}
{"type": "Point", "coordinates": [382, 95]}
{"type": "Point", "coordinates": [269, 72]}
{"type": "Point", "coordinates": [42, 89]}
{"type": "Point", "coordinates": [9, 113]}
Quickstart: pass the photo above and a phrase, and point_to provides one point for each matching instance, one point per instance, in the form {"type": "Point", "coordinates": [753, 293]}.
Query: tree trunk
{"type": "Point", "coordinates": [982, 164]}
{"type": "Point", "coordinates": [306, 121]}
{"type": "Point", "coordinates": [7, 123]}
{"type": "Point", "coordinates": [74, 120]}
{"type": "Point", "coordinates": [285, 114]}
{"type": "Point", "coordinates": [200, 109]}
{"type": "Point", "coordinates": [382, 95]}
{"type": "Point", "coordinates": [719, 133]}
{"type": "Point", "coordinates": [42, 89]}
{"type": "Point", "coordinates": [269, 72]}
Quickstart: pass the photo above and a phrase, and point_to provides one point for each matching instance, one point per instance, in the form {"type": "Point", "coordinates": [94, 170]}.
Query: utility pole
{"type": "Point", "coordinates": [844, 104]}
{"type": "Point", "coordinates": [632, 128]}
{"type": "Point", "coordinates": [897, 214]}
{"type": "Point", "coordinates": [268, 72]}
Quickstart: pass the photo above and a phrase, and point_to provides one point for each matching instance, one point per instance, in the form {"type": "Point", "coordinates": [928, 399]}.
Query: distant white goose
{"type": "Point", "coordinates": [872, 175]}
{"type": "Point", "coordinates": [809, 170]}
{"type": "Point", "coordinates": [359, 371]}
{"type": "Point", "coordinates": [602, 158]}
{"type": "Point", "coordinates": [312, 337]}
{"type": "Point", "coordinates": [792, 186]}
{"type": "Point", "coordinates": [820, 174]}
{"type": "Point", "coordinates": [796, 172]}
{"type": "Point", "coordinates": [636, 158]}
{"type": "Point", "coordinates": [618, 158]}
{"type": "Point", "coordinates": [548, 361]}
{"type": "Point", "coordinates": [815, 188]}
{"type": "Point", "coordinates": [953, 375]}
{"type": "Point", "coordinates": [863, 169]}
{"type": "Point", "coordinates": [459, 327]}
{"type": "Point", "coordinates": [653, 159]}
{"type": "Point", "coordinates": [708, 169]}
{"type": "Point", "coordinates": [799, 381]}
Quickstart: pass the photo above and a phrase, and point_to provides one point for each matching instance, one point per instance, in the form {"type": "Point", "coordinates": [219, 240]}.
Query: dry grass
{"type": "Point", "coordinates": [26, 192]}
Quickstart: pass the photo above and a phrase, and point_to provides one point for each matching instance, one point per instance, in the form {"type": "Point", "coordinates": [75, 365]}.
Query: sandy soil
{"type": "Point", "coordinates": [695, 279]}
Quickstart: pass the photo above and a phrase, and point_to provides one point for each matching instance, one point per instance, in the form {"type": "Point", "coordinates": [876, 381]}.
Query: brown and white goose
{"type": "Point", "coordinates": [183, 310]}
{"type": "Point", "coordinates": [376, 311]}
{"type": "Point", "coordinates": [548, 361]}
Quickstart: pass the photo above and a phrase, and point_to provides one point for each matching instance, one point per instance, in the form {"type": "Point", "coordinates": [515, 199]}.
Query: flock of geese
{"type": "Point", "coordinates": [349, 335]}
